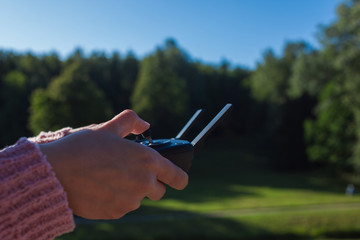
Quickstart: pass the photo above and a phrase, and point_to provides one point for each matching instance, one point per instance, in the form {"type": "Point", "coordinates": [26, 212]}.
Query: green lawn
{"type": "Point", "coordinates": [232, 194]}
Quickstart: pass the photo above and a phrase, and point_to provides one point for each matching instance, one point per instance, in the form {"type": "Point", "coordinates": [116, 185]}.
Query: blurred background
{"type": "Point", "coordinates": [286, 163]}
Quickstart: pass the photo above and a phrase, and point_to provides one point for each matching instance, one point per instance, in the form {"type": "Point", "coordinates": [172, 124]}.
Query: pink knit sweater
{"type": "Point", "coordinates": [33, 204]}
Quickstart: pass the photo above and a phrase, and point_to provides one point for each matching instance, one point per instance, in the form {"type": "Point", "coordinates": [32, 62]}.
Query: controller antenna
{"type": "Point", "coordinates": [147, 136]}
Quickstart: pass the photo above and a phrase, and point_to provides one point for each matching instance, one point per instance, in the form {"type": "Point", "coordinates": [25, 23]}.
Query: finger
{"type": "Point", "coordinates": [171, 174]}
{"type": "Point", "coordinates": [125, 123]}
{"type": "Point", "coordinates": [158, 191]}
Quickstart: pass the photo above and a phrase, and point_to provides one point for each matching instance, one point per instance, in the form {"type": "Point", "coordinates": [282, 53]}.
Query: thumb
{"type": "Point", "coordinates": [125, 123]}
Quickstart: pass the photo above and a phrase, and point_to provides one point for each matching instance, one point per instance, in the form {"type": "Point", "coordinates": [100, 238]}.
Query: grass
{"type": "Point", "coordinates": [334, 224]}
{"type": "Point", "coordinates": [233, 194]}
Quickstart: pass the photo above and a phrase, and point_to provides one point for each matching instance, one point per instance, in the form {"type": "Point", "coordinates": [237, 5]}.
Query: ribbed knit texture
{"type": "Point", "coordinates": [33, 204]}
{"type": "Point", "coordinates": [45, 137]}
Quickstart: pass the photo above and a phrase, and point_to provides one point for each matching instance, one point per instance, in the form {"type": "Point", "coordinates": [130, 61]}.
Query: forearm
{"type": "Point", "coordinates": [33, 204]}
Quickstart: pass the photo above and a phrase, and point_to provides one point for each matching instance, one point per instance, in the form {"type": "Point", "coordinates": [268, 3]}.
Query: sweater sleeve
{"type": "Point", "coordinates": [45, 137]}
{"type": "Point", "coordinates": [33, 204]}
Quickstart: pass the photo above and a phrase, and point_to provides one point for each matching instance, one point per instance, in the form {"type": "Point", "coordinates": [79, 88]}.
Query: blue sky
{"type": "Point", "coordinates": [208, 30]}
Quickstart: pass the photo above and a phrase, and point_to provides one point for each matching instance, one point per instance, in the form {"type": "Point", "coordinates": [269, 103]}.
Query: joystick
{"type": "Point", "coordinates": [178, 151]}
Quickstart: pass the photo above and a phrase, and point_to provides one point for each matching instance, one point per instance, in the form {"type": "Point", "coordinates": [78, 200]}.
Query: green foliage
{"type": "Point", "coordinates": [70, 100]}
{"type": "Point", "coordinates": [310, 73]}
{"type": "Point", "coordinates": [331, 136]}
{"type": "Point", "coordinates": [286, 104]}
{"type": "Point", "coordinates": [13, 111]}
{"type": "Point", "coordinates": [304, 103]}
{"type": "Point", "coordinates": [168, 81]}
{"type": "Point", "coordinates": [130, 69]}
{"type": "Point", "coordinates": [269, 81]}
{"type": "Point", "coordinates": [160, 94]}
{"type": "Point", "coordinates": [39, 70]}
{"type": "Point", "coordinates": [14, 81]}
{"type": "Point", "coordinates": [214, 86]}
{"type": "Point", "coordinates": [343, 36]}
{"type": "Point", "coordinates": [329, 79]}
{"type": "Point", "coordinates": [341, 47]}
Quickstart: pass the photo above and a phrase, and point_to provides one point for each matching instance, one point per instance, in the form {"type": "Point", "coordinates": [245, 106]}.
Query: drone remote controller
{"type": "Point", "coordinates": [181, 152]}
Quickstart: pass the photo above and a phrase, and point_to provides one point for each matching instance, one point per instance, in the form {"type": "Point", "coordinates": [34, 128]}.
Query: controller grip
{"type": "Point", "coordinates": [180, 159]}
{"type": "Point", "coordinates": [180, 152]}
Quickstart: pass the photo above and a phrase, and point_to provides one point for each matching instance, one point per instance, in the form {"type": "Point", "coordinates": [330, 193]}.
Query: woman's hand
{"type": "Point", "coordinates": [106, 176]}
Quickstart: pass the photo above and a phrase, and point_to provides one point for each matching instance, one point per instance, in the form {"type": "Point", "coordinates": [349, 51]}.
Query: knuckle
{"type": "Point", "coordinates": [112, 211]}
{"type": "Point", "coordinates": [148, 185]}
{"type": "Point", "coordinates": [122, 207]}
{"type": "Point", "coordinates": [147, 188]}
{"type": "Point", "coordinates": [180, 182]}
{"type": "Point", "coordinates": [128, 113]}
{"type": "Point", "coordinates": [186, 181]}
{"type": "Point", "coordinates": [141, 185]}
{"type": "Point", "coordinates": [116, 214]}
{"type": "Point", "coordinates": [160, 194]}
{"type": "Point", "coordinates": [150, 161]}
{"type": "Point", "coordinates": [134, 205]}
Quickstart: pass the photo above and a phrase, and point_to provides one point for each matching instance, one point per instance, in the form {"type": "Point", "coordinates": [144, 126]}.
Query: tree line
{"type": "Point", "coordinates": [304, 104]}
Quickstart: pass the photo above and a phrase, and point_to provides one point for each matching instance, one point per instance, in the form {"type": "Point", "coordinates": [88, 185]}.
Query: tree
{"type": "Point", "coordinates": [13, 111]}
{"type": "Point", "coordinates": [126, 77]}
{"type": "Point", "coordinates": [310, 74]}
{"type": "Point", "coordinates": [70, 100]}
{"type": "Point", "coordinates": [160, 95]}
{"type": "Point", "coordinates": [334, 134]}
{"type": "Point", "coordinates": [269, 81]}
{"type": "Point", "coordinates": [331, 136]}
{"type": "Point", "coordinates": [271, 84]}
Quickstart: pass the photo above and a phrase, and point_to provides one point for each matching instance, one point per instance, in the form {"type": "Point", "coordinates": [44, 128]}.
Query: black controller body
{"type": "Point", "coordinates": [180, 152]}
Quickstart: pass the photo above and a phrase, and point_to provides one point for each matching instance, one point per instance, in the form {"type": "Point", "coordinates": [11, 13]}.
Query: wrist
{"type": "Point", "coordinates": [48, 150]}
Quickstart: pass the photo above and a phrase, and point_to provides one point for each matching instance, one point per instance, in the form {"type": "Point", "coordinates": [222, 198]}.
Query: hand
{"type": "Point", "coordinates": [106, 176]}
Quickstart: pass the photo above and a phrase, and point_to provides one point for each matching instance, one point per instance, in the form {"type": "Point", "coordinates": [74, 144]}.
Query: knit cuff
{"type": "Point", "coordinates": [33, 204]}
{"type": "Point", "coordinates": [45, 137]}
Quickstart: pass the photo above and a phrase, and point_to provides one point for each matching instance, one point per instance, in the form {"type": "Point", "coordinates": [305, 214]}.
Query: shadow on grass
{"type": "Point", "coordinates": [178, 225]}
{"type": "Point", "coordinates": [218, 167]}
{"type": "Point", "coordinates": [184, 226]}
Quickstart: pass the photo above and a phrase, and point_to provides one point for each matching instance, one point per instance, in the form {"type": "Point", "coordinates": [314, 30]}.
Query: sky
{"type": "Point", "coordinates": [211, 31]}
